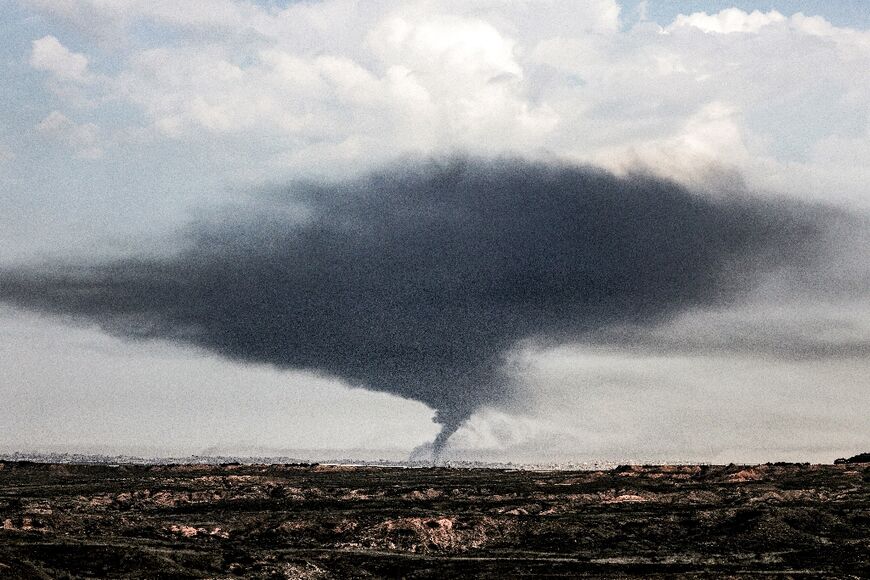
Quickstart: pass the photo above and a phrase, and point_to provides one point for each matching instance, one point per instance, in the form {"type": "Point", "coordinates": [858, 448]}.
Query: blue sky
{"type": "Point", "coordinates": [850, 13]}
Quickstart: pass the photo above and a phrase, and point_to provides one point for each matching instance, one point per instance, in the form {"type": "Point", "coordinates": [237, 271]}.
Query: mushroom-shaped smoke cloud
{"type": "Point", "coordinates": [416, 280]}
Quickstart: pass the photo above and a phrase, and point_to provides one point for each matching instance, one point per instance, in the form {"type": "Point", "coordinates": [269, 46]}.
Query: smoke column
{"type": "Point", "coordinates": [417, 279]}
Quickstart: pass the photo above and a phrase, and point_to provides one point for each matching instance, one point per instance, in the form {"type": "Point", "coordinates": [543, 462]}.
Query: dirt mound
{"type": "Point", "coordinates": [860, 458]}
{"type": "Point", "coordinates": [436, 534]}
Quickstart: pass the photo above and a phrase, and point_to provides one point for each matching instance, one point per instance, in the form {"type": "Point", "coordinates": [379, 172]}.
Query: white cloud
{"type": "Point", "coordinates": [82, 138]}
{"type": "Point", "coordinates": [708, 142]}
{"type": "Point", "coordinates": [338, 80]}
{"type": "Point", "coordinates": [49, 55]}
{"type": "Point", "coordinates": [413, 84]}
{"type": "Point", "coordinates": [729, 20]}
{"type": "Point", "coordinates": [647, 96]}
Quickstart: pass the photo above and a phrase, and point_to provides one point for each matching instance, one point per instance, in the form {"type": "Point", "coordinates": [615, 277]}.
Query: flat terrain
{"type": "Point", "coordinates": [285, 521]}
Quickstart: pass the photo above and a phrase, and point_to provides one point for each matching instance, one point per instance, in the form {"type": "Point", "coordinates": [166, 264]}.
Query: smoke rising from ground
{"type": "Point", "coordinates": [417, 279]}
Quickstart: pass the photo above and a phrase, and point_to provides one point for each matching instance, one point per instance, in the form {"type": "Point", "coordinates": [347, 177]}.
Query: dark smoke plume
{"type": "Point", "coordinates": [416, 280]}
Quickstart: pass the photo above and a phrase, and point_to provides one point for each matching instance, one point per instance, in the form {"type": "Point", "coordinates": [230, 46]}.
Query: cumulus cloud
{"type": "Point", "coordinates": [439, 84]}
{"type": "Point", "coordinates": [706, 148]}
{"type": "Point", "coordinates": [83, 138]}
{"type": "Point", "coordinates": [50, 55]}
{"type": "Point", "coordinates": [729, 20]}
{"type": "Point", "coordinates": [338, 83]}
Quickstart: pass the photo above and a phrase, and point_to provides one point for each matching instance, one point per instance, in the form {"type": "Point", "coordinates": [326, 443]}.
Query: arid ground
{"type": "Point", "coordinates": [318, 521]}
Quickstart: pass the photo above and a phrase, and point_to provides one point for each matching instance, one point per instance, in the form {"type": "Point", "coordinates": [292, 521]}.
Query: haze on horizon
{"type": "Point", "coordinates": [564, 230]}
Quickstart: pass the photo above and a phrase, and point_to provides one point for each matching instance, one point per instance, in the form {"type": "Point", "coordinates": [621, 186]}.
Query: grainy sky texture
{"type": "Point", "coordinates": [573, 230]}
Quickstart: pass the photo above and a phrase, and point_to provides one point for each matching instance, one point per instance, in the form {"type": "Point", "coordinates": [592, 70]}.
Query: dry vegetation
{"type": "Point", "coordinates": [285, 521]}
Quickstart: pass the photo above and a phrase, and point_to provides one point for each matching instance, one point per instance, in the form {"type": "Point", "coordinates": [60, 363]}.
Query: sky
{"type": "Point", "coordinates": [640, 228]}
